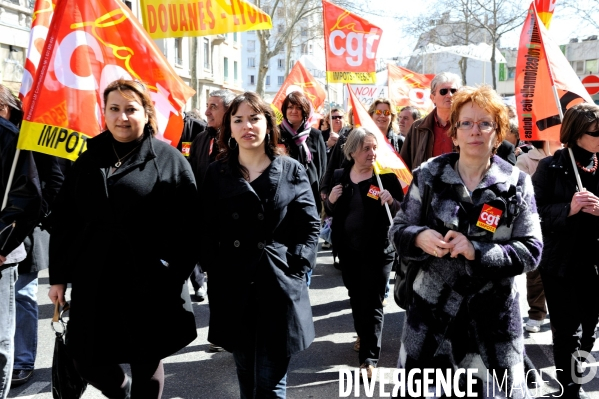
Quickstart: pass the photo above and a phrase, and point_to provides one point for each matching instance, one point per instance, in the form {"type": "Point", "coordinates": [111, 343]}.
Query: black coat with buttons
{"type": "Point", "coordinates": [127, 250]}
{"type": "Point", "coordinates": [256, 252]}
{"type": "Point", "coordinates": [570, 242]}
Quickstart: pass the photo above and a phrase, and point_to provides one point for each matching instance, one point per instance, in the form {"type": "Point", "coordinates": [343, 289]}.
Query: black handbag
{"type": "Point", "coordinates": [406, 271]}
{"type": "Point", "coordinates": [67, 383]}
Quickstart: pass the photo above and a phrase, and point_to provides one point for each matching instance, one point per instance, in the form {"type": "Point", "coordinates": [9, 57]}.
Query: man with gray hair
{"type": "Point", "coordinates": [428, 136]}
{"type": "Point", "coordinates": [202, 153]}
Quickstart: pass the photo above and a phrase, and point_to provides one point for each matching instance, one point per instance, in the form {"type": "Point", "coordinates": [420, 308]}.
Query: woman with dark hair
{"type": "Point", "coordinates": [258, 241]}
{"type": "Point", "coordinates": [302, 142]}
{"type": "Point", "coordinates": [118, 239]}
{"type": "Point", "coordinates": [481, 230]}
{"type": "Point", "coordinates": [359, 234]}
{"type": "Point", "coordinates": [569, 219]}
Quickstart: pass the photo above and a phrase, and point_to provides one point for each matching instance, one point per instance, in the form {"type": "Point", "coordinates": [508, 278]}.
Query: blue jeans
{"type": "Point", "coordinates": [7, 327]}
{"type": "Point", "coordinates": [26, 330]}
{"type": "Point", "coordinates": [261, 374]}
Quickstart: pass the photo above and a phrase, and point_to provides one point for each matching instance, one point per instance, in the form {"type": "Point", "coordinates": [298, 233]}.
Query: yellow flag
{"type": "Point", "coordinates": [187, 18]}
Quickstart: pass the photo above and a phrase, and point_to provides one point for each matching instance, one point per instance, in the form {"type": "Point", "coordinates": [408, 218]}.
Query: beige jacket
{"type": "Point", "coordinates": [529, 161]}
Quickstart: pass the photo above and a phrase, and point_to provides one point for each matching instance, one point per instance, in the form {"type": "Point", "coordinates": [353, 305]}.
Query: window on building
{"type": "Point", "coordinates": [235, 37]}
{"type": "Point", "coordinates": [511, 73]}
{"type": "Point", "coordinates": [591, 66]}
{"type": "Point", "coordinates": [304, 32]}
{"type": "Point", "coordinates": [280, 12]}
{"type": "Point", "coordinates": [305, 48]}
{"type": "Point", "coordinates": [226, 69]}
{"type": "Point", "coordinates": [251, 45]}
{"type": "Point", "coordinates": [178, 51]}
{"type": "Point", "coordinates": [235, 71]}
{"type": "Point", "coordinates": [252, 79]}
{"type": "Point", "coordinates": [280, 80]}
{"type": "Point", "coordinates": [578, 66]}
{"type": "Point", "coordinates": [206, 53]}
{"type": "Point", "coordinates": [251, 62]}
{"type": "Point", "coordinates": [280, 28]}
{"type": "Point", "coordinates": [128, 4]}
{"type": "Point", "coordinates": [266, 9]}
{"type": "Point", "coordinates": [267, 80]}
{"type": "Point", "coordinates": [281, 63]}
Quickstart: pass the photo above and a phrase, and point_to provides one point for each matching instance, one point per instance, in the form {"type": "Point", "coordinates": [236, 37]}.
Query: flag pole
{"type": "Point", "coordinates": [326, 69]}
{"type": "Point", "coordinates": [13, 168]}
{"type": "Point", "coordinates": [556, 98]}
{"type": "Point", "coordinates": [378, 179]}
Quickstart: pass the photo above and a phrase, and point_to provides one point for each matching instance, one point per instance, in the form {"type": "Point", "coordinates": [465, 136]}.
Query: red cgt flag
{"type": "Point", "coordinates": [299, 79]}
{"type": "Point", "coordinates": [90, 44]}
{"type": "Point", "coordinates": [545, 10]}
{"type": "Point", "coordinates": [351, 43]}
{"type": "Point", "coordinates": [42, 16]}
{"type": "Point", "coordinates": [541, 65]}
{"type": "Point", "coordinates": [409, 88]}
{"type": "Point", "coordinates": [387, 160]}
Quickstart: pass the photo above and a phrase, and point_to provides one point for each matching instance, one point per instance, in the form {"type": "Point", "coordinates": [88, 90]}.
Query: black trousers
{"type": "Point", "coordinates": [365, 276]}
{"type": "Point", "coordinates": [573, 304]}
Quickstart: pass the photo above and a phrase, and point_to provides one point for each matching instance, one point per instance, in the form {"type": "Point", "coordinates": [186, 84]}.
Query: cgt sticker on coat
{"type": "Point", "coordinates": [374, 191]}
{"type": "Point", "coordinates": [489, 218]}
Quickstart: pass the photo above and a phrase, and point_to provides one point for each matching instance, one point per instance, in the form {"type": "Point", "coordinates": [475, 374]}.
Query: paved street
{"type": "Point", "coordinates": [195, 373]}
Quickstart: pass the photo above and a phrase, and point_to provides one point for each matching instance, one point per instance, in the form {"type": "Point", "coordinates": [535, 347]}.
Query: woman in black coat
{"type": "Point", "coordinates": [570, 224]}
{"type": "Point", "coordinates": [359, 234]}
{"type": "Point", "coordinates": [302, 142]}
{"type": "Point", "coordinates": [259, 242]}
{"type": "Point", "coordinates": [121, 242]}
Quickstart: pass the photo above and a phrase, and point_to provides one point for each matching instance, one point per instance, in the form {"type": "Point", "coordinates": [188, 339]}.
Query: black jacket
{"type": "Point", "coordinates": [200, 155]}
{"type": "Point", "coordinates": [123, 243]}
{"type": "Point", "coordinates": [24, 198]}
{"type": "Point", "coordinates": [375, 215]}
{"type": "Point", "coordinates": [191, 128]}
{"type": "Point", "coordinates": [568, 251]}
{"type": "Point", "coordinates": [338, 160]}
{"type": "Point", "coordinates": [256, 252]}
{"type": "Point", "coordinates": [318, 166]}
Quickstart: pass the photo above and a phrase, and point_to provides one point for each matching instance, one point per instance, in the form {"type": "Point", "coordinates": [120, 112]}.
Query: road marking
{"type": "Point", "coordinates": [33, 390]}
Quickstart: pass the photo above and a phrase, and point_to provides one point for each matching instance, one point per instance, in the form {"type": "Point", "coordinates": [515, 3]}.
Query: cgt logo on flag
{"type": "Point", "coordinates": [489, 218]}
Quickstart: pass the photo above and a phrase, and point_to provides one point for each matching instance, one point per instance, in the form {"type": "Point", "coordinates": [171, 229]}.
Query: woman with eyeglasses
{"type": "Point", "coordinates": [120, 241]}
{"type": "Point", "coordinates": [383, 114]}
{"type": "Point", "coordinates": [481, 231]}
{"type": "Point", "coordinates": [258, 240]}
{"type": "Point", "coordinates": [570, 221]}
{"type": "Point", "coordinates": [359, 234]}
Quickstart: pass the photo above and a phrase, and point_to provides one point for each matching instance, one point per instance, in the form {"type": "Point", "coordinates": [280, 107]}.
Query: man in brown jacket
{"type": "Point", "coordinates": [428, 137]}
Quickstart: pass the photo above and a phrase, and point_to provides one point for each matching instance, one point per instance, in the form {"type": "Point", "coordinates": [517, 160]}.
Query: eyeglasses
{"type": "Point", "coordinates": [336, 117]}
{"type": "Point", "coordinates": [483, 126]}
{"type": "Point", "coordinates": [444, 92]}
{"type": "Point", "coordinates": [381, 112]}
{"type": "Point", "coordinates": [593, 134]}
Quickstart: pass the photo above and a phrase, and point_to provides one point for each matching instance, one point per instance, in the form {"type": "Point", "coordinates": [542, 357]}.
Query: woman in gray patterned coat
{"type": "Point", "coordinates": [482, 230]}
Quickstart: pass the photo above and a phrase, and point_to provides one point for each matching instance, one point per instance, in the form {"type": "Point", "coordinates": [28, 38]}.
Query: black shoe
{"type": "Point", "coordinates": [336, 265]}
{"type": "Point", "coordinates": [20, 377]}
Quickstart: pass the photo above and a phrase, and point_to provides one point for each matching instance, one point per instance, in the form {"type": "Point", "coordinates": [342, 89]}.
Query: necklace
{"type": "Point", "coordinates": [591, 170]}
{"type": "Point", "coordinates": [121, 159]}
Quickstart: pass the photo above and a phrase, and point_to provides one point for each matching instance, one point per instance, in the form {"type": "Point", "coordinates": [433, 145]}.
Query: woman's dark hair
{"type": "Point", "coordinates": [577, 121]}
{"type": "Point", "coordinates": [538, 144]}
{"type": "Point", "coordinates": [299, 100]}
{"type": "Point", "coordinates": [142, 94]}
{"type": "Point", "coordinates": [231, 155]}
{"type": "Point", "coordinates": [13, 103]}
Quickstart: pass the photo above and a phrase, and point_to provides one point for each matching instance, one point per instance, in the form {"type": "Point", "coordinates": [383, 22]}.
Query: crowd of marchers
{"type": "Point", "coordinates": [483, 208]}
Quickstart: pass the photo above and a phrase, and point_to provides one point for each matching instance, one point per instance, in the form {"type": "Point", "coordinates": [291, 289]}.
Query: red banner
{"type": "Point", "coordinates": [299, 79]}
{"type": "Point", "coordinates": [89, 45]}
{"type": "Point", "coordinates": [409, 88]}
{"type": "Point", "coordinates": [545, 10]}
{"type": "Point", "coordinates": [40, 22]}
{"type": "Point", "coordinates": [541, 65]}
{"type": "Point", "coordinates": [351, 43]}
{"type": "Point", "coordinates": [387, 160]}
